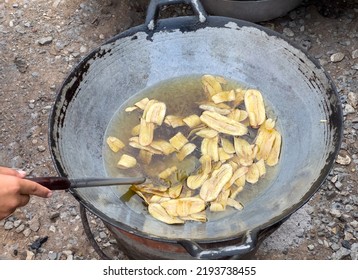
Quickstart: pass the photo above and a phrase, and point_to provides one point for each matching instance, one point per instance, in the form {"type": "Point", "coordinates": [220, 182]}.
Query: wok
{"type": "Point", "coordinates": [295, 87]}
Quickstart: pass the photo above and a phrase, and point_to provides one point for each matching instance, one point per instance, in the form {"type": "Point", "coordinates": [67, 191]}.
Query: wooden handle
{"type": "Point", "coordinates": [53, 183]}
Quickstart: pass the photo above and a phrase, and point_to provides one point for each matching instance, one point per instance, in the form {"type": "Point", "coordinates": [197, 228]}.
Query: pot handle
{"type": "Point", "coordinates": [153, 7]}
{"type": "Point", "coordinates": [248, 244]}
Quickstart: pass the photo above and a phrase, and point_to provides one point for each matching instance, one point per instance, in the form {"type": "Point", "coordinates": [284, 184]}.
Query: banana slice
{"type": "Point", "coordinates": [223, 124]}
{"type": "Point", "coordinates": [174, 121]}
{"type": "Point", "coordinates": [159, 212]}
{"type": "Point", "coordinates": [211, 85]}
{"type": "Point", "coordinates": [274, 154]}
{"type": "Point", "coordinates": [185, 151]}
{"type": "Point", "coordinates": [192, 121]}
{"type": "Point", "coordinates": [115, 144]}
{"type": "Point", "coordinates": [184, 206]}
{"type": "Point", "coordinates": [224, 96]}
{"type": "Point", "coordinates": [146, 132]}
{"type": "Point", "coordinates": [126, 161]}
{"type": "Point", "coordinates": [156, 113]}
{"type": "Point", "coordinates": [178, 141]}
{"type": "Point", "coordinates": [255, 107]}
{"type": "Point", "coordinates": [213, 186]}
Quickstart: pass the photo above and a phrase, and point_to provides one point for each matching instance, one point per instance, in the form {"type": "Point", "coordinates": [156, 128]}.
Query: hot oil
{"type": "Point", "coordinates": [182, 97]}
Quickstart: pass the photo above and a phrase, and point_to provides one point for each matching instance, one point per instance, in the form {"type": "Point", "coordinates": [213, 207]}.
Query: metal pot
{"type": "Point", "coordinates": [298, 90]}
{"type": "Point", "coordinates": [251, 10]}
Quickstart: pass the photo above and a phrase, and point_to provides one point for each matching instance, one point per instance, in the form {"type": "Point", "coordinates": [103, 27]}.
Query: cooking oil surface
{"type": "Point", "coordinates": [182, 97]}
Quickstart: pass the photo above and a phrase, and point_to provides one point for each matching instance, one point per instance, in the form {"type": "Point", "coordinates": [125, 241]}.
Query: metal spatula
{"type": "Point", "coordinates": [63, 183]}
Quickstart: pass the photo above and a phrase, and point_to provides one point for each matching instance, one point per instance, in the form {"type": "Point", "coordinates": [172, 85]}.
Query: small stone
{"type": "Point", "coordinates": [27, 232]}
{"type": "Point", "coordinates": [337, 57]}
{"type": "Point", "coordinates": [83, 49]}
{"type": "Point", "coordinates": [31, 105]}
{"type": "Point", "coordinates": [354, 224]}
{"type": "Point", "coordinates": [348, 109]}
{"type": "Point", "coordinates": [346, 244]}
{"type": "Point", "coordinates": [338, 185]}
{"type": "Point", "coordinates": [102, 235]}
{"type": "Point", "coordinates": [341, 253]}
{"type": "Point", "coordinates": [34, 223]}
{"type": "Point", "coordinates": [335, 213]}
{"type": "Point", "coordinates": [353, 99]}
{"type": "Point", "coordinates": [288, 32]}
{"type": "Point", "coordinates": [8, 225]}
{"type": "Point", "coordinates": [17, 223]}
{"type": "Point", "coordinates": [101, 36]}
{"type": "Point", "coordinates": [335, 247]}
{"type": "Point", "coordinates": [52, 228]}
{"type": "Point", "coordinates": [21, 64]}
{"type": "Point", "coordinates": [45, 40]}
{"type": "Point", "coordinates": [343, 160]}
{"type": "Point", "coordinates": [355, 54]}
{"type": "Point", "coordinates": [20, 228]}
{"type": "Point", "coordinates": [52, 255]}
{"type": "Point", "coordinates": [54, 215]}
{"type": "Point", "coordinates": [30, 255]}
{"type": "Point", "coordinates": [311, 247]}
{"type": "Point", "coordinates": [354, 251]}
{"type": "Point", "coordinates": [41, 148]}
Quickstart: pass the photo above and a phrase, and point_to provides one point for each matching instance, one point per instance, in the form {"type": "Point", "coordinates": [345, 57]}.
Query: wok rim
{"type": "Point", "coordinates": [188, 24]}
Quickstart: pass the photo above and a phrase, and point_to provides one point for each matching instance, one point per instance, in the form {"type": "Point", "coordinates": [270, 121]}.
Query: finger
{"type": "Point", "coordinates": [12, 172]}
{"type": "Point", "coordinates": [28, 187]}
{"type": "Point", "coordinates": [23, 199]}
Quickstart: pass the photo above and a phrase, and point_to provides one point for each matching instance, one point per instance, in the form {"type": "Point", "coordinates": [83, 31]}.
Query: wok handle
{"type": "Point", "coordinates": [153, 10]}
{"type": "Point", "coordinates": [53, 183]}
{"type": "Point", "coordinates": [248, 244]}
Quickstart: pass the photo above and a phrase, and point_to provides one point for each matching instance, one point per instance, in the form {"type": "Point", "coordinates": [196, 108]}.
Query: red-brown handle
{"type": "Point", "coordinates": [53, 183]}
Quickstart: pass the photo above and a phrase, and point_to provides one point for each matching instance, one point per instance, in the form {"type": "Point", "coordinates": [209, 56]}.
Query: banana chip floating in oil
{"type": "Point", "coordinates": [215, 140]}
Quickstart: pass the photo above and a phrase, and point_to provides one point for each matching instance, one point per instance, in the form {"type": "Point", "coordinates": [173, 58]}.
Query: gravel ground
{"type": "Point", "coordinates": [40, 42]}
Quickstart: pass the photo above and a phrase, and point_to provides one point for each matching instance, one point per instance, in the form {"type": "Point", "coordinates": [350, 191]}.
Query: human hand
{"type": "Point", "coordinates": [15, 191]}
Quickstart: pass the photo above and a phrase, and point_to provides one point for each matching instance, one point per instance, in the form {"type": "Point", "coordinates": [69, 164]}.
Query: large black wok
{"type": "Point", "coordinates": [296, 88]}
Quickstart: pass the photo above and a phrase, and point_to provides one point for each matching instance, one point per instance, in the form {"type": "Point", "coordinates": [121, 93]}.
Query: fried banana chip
{"type": "Point", "coordinates": [205, 161]}
{"type": "Point", "coordinates": [255, 107]}
{"type": "Point", "coordinates": [167, 172]}
{"type": "Point", "coordinates": [146, 132]}
{"type": "Point", "coordinates": [227, 145]}
{"type": "Point", "coordinates": [223, 124]}
{"type": "Point", "coordinates": [210, 147]}
{"type": "Point", "coordinates": [195, 181]}
{"type": "Point", "coordinates": [224, 156]}
{"type": "Point", "coordinates": [115, 144]}
{"type": "Point", "coordinates": [207, 133]}
{"type": "Point", "coordinates": [159, 212]}
{"type": "Point", "coordinates": [156, 113]}
{"type": "Point", "coordinates": [213, 186]}
{"type": "Point", "coordinates": [185, 151]}
{"type": "Point", "coordinates": [183, 207]}
{"type": "Point", "coordinates": [244, 151]}
{"type": "Point", "coordinates": [178, 141]}
{"type": "Point", "coordinates": [192, 121]}
{"type": "Point", "coordinates": [174, 121]}
{"type": "Point", "coordinates": [211, 85]}
{"type": "Point", "coordinates": [253, 174]}
{"type": "Point", "coordinates": [223, 96]}
{"type": "Point", "coordinates": [161, 145]}
{"type": "Point", "coordinates": [142, 103]}
{"type": "Point", "coordinates": [233, 203]}
{"type": "Point", "coordinates": [217, 108]}
{"type": "Point", "coordinates": [274, 154]}
{"type": "Point", "coordinates": [126, 161]}
{"type": "Point", "coordinates": [175, 191]}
